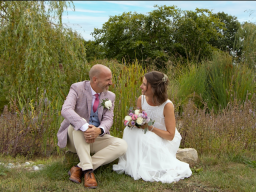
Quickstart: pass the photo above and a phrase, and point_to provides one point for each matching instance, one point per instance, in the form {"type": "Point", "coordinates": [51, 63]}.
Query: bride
{"type": "Point", "coordinates": [152, 156]}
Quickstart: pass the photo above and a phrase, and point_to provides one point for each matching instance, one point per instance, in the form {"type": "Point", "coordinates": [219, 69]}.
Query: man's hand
{"type": "Point", "coordinates": [89, 140]}
{"type": "Point", "coordinates": [92, 133]}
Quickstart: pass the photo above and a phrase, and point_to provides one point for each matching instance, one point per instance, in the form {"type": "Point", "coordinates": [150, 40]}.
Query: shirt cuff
{"type": "Point", "coordinates": [103, 131]}
{"type": "Point", "coordinates": [84, 127]}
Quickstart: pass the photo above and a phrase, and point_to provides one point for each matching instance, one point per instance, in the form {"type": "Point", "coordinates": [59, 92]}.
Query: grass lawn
{"type": "Point", "coordinates": [210, 174]}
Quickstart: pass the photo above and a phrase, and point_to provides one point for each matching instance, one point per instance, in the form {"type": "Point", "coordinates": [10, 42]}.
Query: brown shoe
{"type": "Point", "coordinates": [89, 180]}
{"type": "Point", "coordinates": [75, 174]}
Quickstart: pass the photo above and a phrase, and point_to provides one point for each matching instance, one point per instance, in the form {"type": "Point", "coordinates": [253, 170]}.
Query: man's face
{"type": "Point", "coordinates": [104, 81]}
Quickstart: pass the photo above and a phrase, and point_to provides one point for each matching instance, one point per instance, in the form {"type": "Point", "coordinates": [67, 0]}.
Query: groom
{"type": "Point", "coordinates": [85, 129]}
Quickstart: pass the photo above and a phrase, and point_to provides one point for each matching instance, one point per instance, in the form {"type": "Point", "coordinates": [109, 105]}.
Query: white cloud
{"type": "Point", "coordinates": [85, 10]}
{"type": "Point", "coordinates": [84, 18]}
{"type": "Point", "coordinates": [130, 3]}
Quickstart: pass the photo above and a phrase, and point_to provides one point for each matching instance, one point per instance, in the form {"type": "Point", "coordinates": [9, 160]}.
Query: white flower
{"type": "Point", "coordinates": [139, 120]}
{"type": "Point", "coordinates": [108, 104]}
{"type": "Point", "coordinates": [128, 118]}
{"type": "Point", "coordinates": [137, 112]}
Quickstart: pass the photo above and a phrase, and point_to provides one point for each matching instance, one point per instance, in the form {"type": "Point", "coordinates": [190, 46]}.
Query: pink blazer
{"type": "Point", "coordinates": [78, 105]}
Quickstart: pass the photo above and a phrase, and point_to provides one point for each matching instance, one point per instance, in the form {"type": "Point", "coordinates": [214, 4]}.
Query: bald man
{"type": "Point", "coordinates": [86, 126]}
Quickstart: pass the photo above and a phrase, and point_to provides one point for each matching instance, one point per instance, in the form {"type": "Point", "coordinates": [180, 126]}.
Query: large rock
{"type": "Point", "coordinates": [188, 155]}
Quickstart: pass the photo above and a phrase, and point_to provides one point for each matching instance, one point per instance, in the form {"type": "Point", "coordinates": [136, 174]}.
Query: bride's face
{"type": "Point", "coordinates": [146, 88]}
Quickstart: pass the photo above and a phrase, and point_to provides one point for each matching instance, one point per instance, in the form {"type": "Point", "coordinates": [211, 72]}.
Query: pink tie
{"type": "Point", "coordinates": [96, 103]}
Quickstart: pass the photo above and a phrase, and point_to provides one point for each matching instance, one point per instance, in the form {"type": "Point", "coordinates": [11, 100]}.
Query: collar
{"type": "Point", "coordinates": [93, 92]}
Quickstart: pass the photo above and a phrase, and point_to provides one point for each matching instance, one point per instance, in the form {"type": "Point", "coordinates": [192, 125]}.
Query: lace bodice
{"type": "Point", "coordinates": [155, 112]}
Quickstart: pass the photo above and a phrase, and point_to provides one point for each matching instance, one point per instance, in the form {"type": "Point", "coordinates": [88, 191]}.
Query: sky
{"type": "Point", "coordinates": [93, 14]}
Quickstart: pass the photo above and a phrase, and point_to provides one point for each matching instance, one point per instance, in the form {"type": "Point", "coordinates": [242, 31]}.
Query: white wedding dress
{"type": "Point", "coordinates": [150, 157]}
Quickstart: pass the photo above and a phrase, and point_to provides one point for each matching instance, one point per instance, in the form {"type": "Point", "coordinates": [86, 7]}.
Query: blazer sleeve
{"type": "Point", "coordinates": [68, 109]}
{"type": "Point", "coordinates": [107, 117]}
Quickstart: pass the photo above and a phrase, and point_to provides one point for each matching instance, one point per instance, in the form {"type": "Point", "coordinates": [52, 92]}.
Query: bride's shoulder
{"type": "Point", "coordinates": [168, 106]}
{"type": "Point", "coordinates": [139, 101]}
{"type": "Point", "coordinates": [139, 98]}
{"type": "Point", "coordinates": [168, 103]}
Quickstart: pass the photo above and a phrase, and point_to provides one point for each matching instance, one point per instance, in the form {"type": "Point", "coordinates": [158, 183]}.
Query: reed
{"type": "Point", "coordinates": [126, 87]}
{"type": "Point", "coordinates": [217, 83]}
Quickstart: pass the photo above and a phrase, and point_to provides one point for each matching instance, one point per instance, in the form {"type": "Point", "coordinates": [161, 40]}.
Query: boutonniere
{"type": "Point", "coordinates": [106, 103]}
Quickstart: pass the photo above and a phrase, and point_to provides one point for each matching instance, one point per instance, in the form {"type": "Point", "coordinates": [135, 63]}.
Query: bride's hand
{"type": "Point", "coordinates": [148, 127]}
{"type": "Point", "coordinates": [144, 126]}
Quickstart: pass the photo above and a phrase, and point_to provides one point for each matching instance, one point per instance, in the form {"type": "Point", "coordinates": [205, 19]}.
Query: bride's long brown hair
{"type": "Point", "coordinates": [159, 82]}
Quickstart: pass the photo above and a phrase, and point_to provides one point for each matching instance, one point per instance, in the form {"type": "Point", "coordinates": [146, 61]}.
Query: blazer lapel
{"type": "Point", "coordinates": [88, 96]}
{"type": "Point", "coordinates": [100, 109]}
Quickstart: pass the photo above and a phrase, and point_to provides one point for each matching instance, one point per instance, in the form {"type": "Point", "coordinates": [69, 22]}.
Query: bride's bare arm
{"type": "Point", "coordinates": [169, 123]}
{"type": "Point", "coordinates": [139, 102]}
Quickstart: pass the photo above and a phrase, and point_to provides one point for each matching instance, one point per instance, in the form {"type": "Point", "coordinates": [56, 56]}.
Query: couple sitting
{"type": "Point", "coordinates": [88, 112]}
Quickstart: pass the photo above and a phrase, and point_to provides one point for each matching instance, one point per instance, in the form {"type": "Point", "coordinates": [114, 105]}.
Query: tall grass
{"type": "Point", "coordinates": [231, 131]}
{"type": "Point", "coordinates": [126, 88]}
{"type": "Point", "coordinates": [192, 85]}
{"type": "Point", "coordinates": [217, 82]}
{"type": "Point", "coordinates": [30, 125]}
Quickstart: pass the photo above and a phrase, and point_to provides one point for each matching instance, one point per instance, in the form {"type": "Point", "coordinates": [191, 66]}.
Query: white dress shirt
{"type": "Point", "coordinates": [86, 125]}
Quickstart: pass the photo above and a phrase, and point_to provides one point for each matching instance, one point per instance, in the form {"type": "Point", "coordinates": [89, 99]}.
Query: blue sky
{"type": "Point", "coordinates": [93, 14]}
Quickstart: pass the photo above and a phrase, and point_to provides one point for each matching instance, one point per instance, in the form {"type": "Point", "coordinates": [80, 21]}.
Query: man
{"type": "Point", "coordinates": [85, 129]}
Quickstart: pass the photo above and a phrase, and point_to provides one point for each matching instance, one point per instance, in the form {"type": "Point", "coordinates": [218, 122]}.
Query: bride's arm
{"type": "Point", "coordinates": [139, 102]}
{"type": "Point", "coordinates": [169, 123]}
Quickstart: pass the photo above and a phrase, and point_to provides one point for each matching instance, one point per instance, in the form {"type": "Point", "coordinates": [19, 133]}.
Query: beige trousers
{"type": "Point", "coordinates": [106, 149]}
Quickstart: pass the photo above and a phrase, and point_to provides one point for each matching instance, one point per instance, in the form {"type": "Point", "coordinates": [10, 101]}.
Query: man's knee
{"type": "Point", "coordinates": [122, 146]}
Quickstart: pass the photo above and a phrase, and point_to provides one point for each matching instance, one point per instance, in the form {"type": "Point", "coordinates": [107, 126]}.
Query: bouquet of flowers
{"type": "Point", "coordinates": [137, 118]}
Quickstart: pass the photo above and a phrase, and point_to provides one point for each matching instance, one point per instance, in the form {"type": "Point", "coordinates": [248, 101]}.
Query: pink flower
{"type": "Point", "coordinates": [125, 123]}
{"type": "Point", "coordinates": [134, 117]}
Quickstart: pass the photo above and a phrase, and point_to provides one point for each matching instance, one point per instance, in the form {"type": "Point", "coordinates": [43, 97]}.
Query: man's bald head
{"type": "Point", "coordinates": [97, 70]}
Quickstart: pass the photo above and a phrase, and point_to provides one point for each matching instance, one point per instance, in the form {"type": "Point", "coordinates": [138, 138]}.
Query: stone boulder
{"type": "Point", "coordinates": [188, 155]}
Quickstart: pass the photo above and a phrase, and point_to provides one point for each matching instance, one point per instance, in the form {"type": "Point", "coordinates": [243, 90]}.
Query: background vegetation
{"type": "Point", "coordinates": [209, 59]}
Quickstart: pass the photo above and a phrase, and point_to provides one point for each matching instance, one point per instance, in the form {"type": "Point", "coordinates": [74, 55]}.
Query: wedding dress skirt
{"type": "Point", "coordinates": [151, 158]}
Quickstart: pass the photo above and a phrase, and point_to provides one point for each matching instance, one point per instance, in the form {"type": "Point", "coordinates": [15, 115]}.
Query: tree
{"type": "Point", "coordinates": [94, 51]}
{"type": "Point", "coordinates": [194, 31]}
{"type": "Point", "coordinates": [245, 44]}
{"type": "Point", "coordinates": [137, 36]}
{"type": "Point", "coordinates": [121, 36]}
{"type": "Point", "coordinates": [37, 53]}
{"type": "Point", "coordinates": [226, 41]}
{"type": "Point", "coordinates": [159, 35]}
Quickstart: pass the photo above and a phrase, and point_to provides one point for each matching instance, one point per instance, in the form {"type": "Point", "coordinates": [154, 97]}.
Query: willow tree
{"type": "Point", "coordinates": [37, 53]}
{"type": "Point", "coordinates": [245, 42]}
